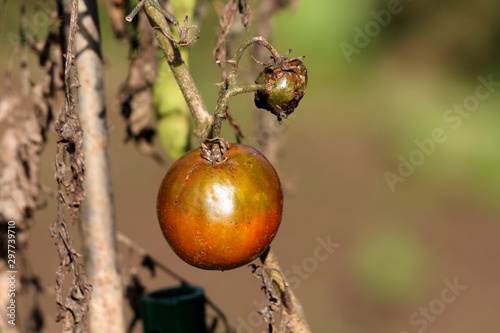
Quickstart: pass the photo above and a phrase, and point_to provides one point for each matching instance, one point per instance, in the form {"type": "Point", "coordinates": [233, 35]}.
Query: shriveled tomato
{"type": "Point", "coordinates": [223, 216]}
{"type": "Point", "coordinates": [286, 85]}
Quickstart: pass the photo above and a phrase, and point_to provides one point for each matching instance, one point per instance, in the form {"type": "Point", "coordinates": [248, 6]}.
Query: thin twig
{"type": "Point", "coordinates": [142, 252]}
{"type": "Point", "coordinates": [153, 3]}
{"type": "Point", "coordinates": [134, 12]}
{"type": "Point", "coordinates": [230, 84]}
{"type": "Point", "coordinates": [296, 320]}
{"type": "Point", "coordinates": [230, 88]}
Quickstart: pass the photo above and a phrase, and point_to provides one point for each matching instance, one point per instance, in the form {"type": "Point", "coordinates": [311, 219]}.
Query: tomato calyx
{"type": "Point", "coordinates": [216, 151]}
{"type": "Point", "coordinates": [283, 63]}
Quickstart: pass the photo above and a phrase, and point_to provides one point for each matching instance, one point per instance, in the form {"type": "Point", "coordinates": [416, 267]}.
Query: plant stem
{"type": "Point", "coordinates": [298, 322]}
{"type": "Point", "coordinates": [220, 113]}
{"type": "Point", "coordinates": [98, 220]}
{"type": "Point", "coordinates": [241, 50]}
{"type": "Point", "coordinates": [202, 117]}
{"type": "Point", "coordinates": [230, 87]}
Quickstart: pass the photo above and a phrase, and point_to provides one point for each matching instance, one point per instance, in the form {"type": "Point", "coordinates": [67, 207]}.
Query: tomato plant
{"type": "Point", "coordinates": [220, 216]}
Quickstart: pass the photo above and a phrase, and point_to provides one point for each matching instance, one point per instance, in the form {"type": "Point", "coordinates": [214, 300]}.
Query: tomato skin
{"type": "Point", "coordinates": [224, 216]}
{"type": "Point", "coordinates": [287, 84]}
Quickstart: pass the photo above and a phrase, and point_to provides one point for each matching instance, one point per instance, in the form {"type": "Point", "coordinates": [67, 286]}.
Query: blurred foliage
{"type": "Point", "coordinates": [426, 59]}
{"type": "Point", "coordinates": [389, 264]}
{"type": "Point", "coordinates": [397, 90]}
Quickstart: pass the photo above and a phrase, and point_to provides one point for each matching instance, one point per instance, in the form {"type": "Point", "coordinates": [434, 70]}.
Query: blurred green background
{"type": "Point", "coordinates": [398, 247]}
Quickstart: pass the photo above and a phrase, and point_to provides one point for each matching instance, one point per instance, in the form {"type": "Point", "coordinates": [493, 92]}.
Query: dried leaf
{"type": "Point", "coordinates": [116, 11]}
{"type": "Point", "coordinates": [134, 290]}
{"type": "Point", "coordinates": [244, 9]}
{"type": "Point", "coordinates": [27, 115]}
{"type": "Point", "coordinates": [274, 300]}
{"type": "Point", "coordinates": [149, 264]}
{"type": "Point", "coordinates": [136, 100]}
{"type": "Point", "coordinates": [69, 176]}
{"type": "Point", "coordinates": [225, 21]}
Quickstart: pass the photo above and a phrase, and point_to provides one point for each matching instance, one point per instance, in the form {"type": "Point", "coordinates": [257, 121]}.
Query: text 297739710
{"type": "Point", "coordinates": [12, 272]}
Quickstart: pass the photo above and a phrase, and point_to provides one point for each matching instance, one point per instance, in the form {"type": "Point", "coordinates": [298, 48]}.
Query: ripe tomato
{"type": "Point", "coordinates": [224, 216]}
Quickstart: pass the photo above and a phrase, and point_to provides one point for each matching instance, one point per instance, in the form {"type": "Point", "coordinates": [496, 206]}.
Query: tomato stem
{"type": "Point", "coordinates": [230, 88]}
{"type": "Point", "coordinates": [199, 111]}
{"type": "Point", "coordinates": [293, 307]}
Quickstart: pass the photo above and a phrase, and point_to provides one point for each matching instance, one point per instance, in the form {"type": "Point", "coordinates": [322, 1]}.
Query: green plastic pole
{"type": "Point", "coordinates": [174, 310]}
